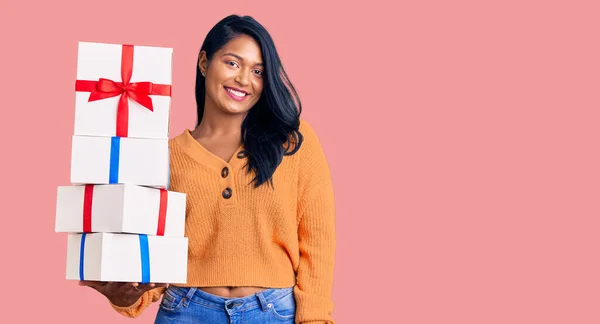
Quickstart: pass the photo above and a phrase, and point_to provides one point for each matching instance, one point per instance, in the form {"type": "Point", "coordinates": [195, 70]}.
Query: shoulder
{"type": "Point", "coordinates": [310, 138]}
{"type": "Point", "coordinates": [301, 139]}
{"type": "Point", "coordinates": [311, 151]}
{"type": "Point", "coordinates": [180, 139]}
{"type": "Point", "coordinates": [312, 162]}
{"type": "Point", "coordinates": [306, 128]}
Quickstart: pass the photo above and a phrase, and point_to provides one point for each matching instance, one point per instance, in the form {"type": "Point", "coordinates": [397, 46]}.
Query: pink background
{"type": "Point", "coordinates": [463, 140]}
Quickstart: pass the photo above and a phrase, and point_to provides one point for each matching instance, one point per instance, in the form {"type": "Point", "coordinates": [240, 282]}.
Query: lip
{"type": "Point", "coordinates": [234, 97]}
{"type": "Point", "coordinates": [236, 89]}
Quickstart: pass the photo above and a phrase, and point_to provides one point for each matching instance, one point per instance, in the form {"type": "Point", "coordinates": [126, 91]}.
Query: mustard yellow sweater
{"type": "Point", "coordinates": [245, 236]}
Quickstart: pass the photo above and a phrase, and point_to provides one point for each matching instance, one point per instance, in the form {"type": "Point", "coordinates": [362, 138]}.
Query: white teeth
{"type": "Point", "coordinates": [237, 93]}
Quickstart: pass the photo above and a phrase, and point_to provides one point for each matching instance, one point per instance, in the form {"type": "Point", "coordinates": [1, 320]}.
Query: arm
{"type": "Point", "coordinates": [316, 234]}
{"type": "Point", "coordinates": [141, 304]}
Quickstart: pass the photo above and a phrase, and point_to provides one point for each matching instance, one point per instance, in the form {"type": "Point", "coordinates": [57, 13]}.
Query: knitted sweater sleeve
{"type": "Point", "coordinates": [141, 304]}
{"type": "Point", "coordinates": [316, 233]}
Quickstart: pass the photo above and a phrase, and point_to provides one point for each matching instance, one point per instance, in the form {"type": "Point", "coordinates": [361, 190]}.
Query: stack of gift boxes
{"type": "Point", "coordinates": [123, 222]}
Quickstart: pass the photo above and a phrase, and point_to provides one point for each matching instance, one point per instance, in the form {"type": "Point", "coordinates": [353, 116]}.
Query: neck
{"type": "Point", "coordinates": [216, 123]}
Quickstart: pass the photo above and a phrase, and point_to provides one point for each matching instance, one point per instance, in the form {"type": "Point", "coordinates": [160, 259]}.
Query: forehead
{"type": "Point", "coordinates": [244, 46]}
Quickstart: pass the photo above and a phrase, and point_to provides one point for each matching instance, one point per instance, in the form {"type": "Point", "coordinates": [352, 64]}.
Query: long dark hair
{"type": "Point", "coordinates": [275, 118]}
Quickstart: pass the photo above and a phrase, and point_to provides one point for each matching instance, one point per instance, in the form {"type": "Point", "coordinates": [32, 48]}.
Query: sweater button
{"type": "Point", "coordinates": [224, 172]}
{"type": "Point", "coordinates": [227, 193]}
{"type": "Point", "coordinates": [241, 154]}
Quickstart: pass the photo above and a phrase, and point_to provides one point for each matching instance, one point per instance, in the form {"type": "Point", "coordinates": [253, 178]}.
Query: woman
{"type": "Point", "coordinates": [260, 212]}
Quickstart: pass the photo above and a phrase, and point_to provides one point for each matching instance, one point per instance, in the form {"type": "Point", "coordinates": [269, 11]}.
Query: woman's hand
{"type": "Point", "coordinates": [121, 294]}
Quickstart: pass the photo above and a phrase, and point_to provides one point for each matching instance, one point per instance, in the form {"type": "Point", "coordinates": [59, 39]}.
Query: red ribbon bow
{"type": "Point", "coordinates": [138, 91]}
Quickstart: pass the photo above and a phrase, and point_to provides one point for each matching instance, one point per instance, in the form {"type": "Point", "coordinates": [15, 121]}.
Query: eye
{"type": "Point", "coordinates": [259, 72]}
{"type": "Point", "coordinates": [232, 63]}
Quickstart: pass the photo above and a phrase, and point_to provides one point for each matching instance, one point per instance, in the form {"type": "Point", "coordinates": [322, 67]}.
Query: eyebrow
{"type": "Point", "coordinates": [239, 57]}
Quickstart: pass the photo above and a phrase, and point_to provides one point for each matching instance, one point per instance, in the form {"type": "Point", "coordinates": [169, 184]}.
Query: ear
{"type": "Point", "coordinates": [203, 62]}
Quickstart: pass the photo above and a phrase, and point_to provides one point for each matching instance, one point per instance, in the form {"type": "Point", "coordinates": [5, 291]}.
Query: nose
{"type": "Point", "coordinates": [242, 78]}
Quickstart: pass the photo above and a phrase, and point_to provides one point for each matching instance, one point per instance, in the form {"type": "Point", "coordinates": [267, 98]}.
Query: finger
{"type": "Point", "coordinates": [142, 287]}
{"type": "Point", "coordinates": [131, 288]}
{"type": "Point", "coordinates": [150, 286]}
{"type": "Point", "coordinates": [126, 287]}
{"type": "Point", "coordinates": [92, 284]}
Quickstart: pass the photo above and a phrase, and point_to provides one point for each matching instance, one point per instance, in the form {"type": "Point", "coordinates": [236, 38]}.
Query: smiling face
{"type": "Point", "coordinates": [234, 76]}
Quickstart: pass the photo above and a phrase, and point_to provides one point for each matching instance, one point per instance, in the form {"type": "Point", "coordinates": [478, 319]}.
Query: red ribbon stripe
{"type": "Point", "coordinates": [88, 196]}
{"type": "Point", "coordinates": [162, 212]}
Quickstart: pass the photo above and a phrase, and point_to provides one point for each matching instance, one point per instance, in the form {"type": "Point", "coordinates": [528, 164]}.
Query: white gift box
{"type": "Point", "coordinates": [127, 258]}
{"type": "Point", "coordinates": [112, 160]}
{"type": "Point", "coordinates": [100, 69]}
{"type": "Point", "coordinates": [120, 208]}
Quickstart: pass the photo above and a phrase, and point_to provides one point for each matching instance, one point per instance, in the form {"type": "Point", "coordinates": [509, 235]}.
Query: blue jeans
{"type": "Point", "coordinates": [192, 305]}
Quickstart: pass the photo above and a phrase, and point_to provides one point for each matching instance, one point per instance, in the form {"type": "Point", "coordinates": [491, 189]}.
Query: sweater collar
{"type": "Point", "coordinates": [205, 157]}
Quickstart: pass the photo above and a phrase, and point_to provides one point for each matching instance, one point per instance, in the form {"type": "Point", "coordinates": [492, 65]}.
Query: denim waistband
{"type": "Point", "coordinates": [257, 300]}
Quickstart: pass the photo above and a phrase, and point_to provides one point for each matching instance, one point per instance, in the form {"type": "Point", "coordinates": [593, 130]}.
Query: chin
{"type": "Point", "coordinates": [235, 110]}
